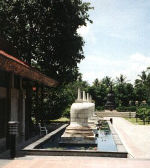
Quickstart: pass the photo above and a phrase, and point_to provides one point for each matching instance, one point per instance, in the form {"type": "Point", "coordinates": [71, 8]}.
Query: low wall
{"type": "Point", "coordinates": [46, 152]}
{"type": "Point", "coordinates": [43, 139]}
{"type": "Point", "coordinates": [115, 114]}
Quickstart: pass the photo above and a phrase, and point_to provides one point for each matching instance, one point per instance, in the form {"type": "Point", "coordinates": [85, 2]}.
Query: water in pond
{"type": "Point", "coordinates": [104, 141]}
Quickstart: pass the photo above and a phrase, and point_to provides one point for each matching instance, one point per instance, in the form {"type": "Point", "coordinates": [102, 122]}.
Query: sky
{"type": "Point", "coordinates": [118, 41]}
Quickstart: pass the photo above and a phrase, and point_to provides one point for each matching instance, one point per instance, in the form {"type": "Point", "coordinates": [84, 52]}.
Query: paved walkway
{"type": "Point", "coordinates": [4, 162]}
{"type": "Point", "coordinates": [76, 162]}
{"type": "Point", "coordinates": [136, 138]}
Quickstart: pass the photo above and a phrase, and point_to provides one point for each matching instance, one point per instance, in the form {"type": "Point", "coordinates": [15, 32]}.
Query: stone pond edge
{"type": "Point", "coordinates": [30, 149]}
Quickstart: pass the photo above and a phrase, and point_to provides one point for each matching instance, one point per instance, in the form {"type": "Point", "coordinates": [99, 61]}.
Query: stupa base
{"type": "Point", "coordinates": [78, 135]}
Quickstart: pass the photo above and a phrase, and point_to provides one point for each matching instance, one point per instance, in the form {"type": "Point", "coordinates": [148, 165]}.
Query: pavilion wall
{"type": "Point", "coordinates": [12, 108]}
{"type": "Point", "coordinates": [3, 115]}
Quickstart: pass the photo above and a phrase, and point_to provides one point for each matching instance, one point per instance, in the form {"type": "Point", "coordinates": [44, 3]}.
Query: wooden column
{"type": "Point", "coordinates": [21, 112]}
{"type": "Point", "coordinates": [9, 107]}
{"type": "Point", "coordinates": [41, 104]}
{"type": "Point", "coordinates": [28, 110]}
{"type": "Point", "coordinates": [37, 105]}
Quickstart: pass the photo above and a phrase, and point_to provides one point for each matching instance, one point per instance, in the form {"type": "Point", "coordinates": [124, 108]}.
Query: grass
{"type": "Point", "coordinates": [62, 119]}
{"type": "Point", "coordinates": [139, 121]}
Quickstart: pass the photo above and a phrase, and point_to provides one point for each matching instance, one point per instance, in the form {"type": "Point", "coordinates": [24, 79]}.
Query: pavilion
{"type": "Point", "coordinates": [16, 82]}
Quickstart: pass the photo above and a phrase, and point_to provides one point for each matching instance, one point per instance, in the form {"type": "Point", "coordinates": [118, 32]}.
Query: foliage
{"type": "Point", "coordinates": [121, 108]}
{"type": "Point", "coordinates": [143, 113]}
{"type": "Point", "coordinates": [57, 101]}
{"type": "Point", "coordinates": [142, 87]}
{"type": "Point", "coordinates": [126, 109]}
{"type": "Point", "coordinates": [96, 82]}
{"type": "Point", "coordinates": [66, 113]}
{"type": "Point", "coordinates": [45, 32]}
{"type": "Point", "coordinates": [107, 81]}
{"type": "Point", "coordinates": [121, 79]}
{"type": "Point", "coordinates": [100, 108]}
{"type": "Point", "coordinates": [59, 120]}
{"type": "Point", "coordinates": [124, 92]}
{"type": "Point", "coordinates": [135, 121]}
{"type": "Point", "coordinates": [131, 108]}
{"type": "Point", "coordinates": [45, 35]}
{"type": "Point", "coordinates": [98, 94]}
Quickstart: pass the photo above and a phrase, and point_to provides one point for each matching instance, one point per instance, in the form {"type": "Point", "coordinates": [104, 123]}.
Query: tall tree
{"type": "Point", "coordinates": [142, 87]}
{"type": "Point", "coordinates": [121, 79]}
{"type": "Point", "coordinates": [96, 82]}
{"type": "Point", "coordinates": [107, 81]}
{"type": "Point", "coordinates": [45, 32]}
{"type": "Point", "coordinates": [143, 78]}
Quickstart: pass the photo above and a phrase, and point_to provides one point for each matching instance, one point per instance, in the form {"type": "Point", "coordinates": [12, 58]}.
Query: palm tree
{"type": "Point", "coordinates": [121, 79]}
{"type": "Point", "coordinates": [107, 81]}
{"type": "Point", "coordinates": [96, 82]}
{"type": "Point", "coordinates": [143, 77]}
{"type": "Point", "coordinates": [144, 84]}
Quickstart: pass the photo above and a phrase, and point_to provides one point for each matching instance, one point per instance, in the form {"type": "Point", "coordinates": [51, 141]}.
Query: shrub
{"type": "Point", "coordinates": [126, 109]}
{"type": "Point", "coordinates": [66, 113]}
{"type": "Point", "coordinates": [131, 108]}
{"type": "Point", "coordinates": [143, 113]}
{"type": "Point", "coordinates": [100, 108]}
{"type": "Point", "coordinates": [121, 108]}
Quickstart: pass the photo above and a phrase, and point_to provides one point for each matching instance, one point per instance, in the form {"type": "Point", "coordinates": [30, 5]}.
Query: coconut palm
{"type": "Point", "coordinates": [121, 79]}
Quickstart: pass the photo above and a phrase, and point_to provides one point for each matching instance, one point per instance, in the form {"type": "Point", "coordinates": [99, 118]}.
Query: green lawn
{"type": "Point", "coordinates": [139, 121]}
{"type": "Point", "coordinates": [62, 119]}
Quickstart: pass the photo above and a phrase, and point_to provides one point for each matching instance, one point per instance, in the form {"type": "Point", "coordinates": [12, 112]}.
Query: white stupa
{"type": "Point", "coordinates": [79, 131]}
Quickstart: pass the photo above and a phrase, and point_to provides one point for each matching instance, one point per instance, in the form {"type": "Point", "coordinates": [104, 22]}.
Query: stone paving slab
{"type": "Point", "coordinates": [4, 162]}
{"type": "Point", "coordinates": [136, 138]}
{"type": "Point", "coordinates": [76, 162]}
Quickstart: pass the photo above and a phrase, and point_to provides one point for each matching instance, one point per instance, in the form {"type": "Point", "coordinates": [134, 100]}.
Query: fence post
{"type": "Point", "coordinates": [144, 118]}
{"type": "Point", "coordinates": [130, 114]}
{"type": "Point", "coordinates": [136, 117]}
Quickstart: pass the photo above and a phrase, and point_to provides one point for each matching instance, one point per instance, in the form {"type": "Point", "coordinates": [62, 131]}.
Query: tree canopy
{"type": "Point", "coordinates": [45, 32]}
{"type": "Point", "coordinates": [125, 93]}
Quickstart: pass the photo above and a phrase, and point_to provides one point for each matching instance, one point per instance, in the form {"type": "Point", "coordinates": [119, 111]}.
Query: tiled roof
{"type": "Point", "coordinates": [18, 67]}
{"type": "Point", "coordinates": [13, 58]}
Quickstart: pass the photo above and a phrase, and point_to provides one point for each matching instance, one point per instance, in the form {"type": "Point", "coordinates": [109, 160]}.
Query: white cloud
{"type": "Point", "coordinates": [87, 33]}
{"type": "Point", "coordinates": [83, 31]}
{"type": "Point", "coordinates": [99, 66]}
{"type": "Point", "coordinates": [139, 58]}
